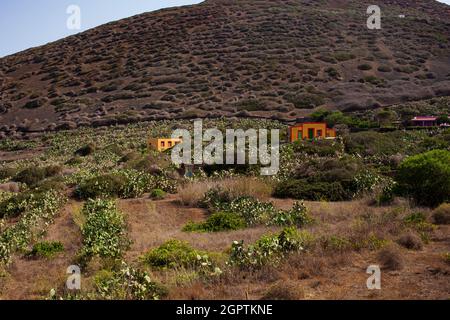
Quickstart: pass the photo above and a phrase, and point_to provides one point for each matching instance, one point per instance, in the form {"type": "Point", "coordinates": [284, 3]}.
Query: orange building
{"type": "Point", "coordinates": [162, 144]}
{"type": "Point", "coordinates": [311, 130]}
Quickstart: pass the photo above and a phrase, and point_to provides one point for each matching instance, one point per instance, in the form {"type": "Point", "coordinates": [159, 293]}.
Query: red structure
{"type": "Point", "coordinates": [424, 121]}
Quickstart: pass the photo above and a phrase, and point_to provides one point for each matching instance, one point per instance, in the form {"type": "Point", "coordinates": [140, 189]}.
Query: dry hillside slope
{"type": "Point", "coordinates": [274, 58]}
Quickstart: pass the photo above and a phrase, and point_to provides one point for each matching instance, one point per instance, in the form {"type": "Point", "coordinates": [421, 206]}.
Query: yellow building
{"type": "Point", "coordinates": [311, 130]}
{"type": "Point", "coordinates": [160, 145]}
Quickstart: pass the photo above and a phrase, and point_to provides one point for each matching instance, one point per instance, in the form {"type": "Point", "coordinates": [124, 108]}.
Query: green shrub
{"type": "Point", "coordinates": [109, 185]}
{"type": "Point", "coordinates": [418, 222]}
{"type": "Point", "coordinates": [268, 249]}
{"type": "Point", "coordinates": [36, 215]}
{"type": "Point", "coordinates": [176, 254]}
{"type": "Point", "coordinates": [6, 173]}
{"type": "Point", "coordinates": [426, 177]}
{"type": "Point", "coordinates": [314, 191]}
{"type": "Point", "coordinates": [104, 230]}
{"type": "Point", "coordinates": [220, 221]}
{"type": "Point", "coordinates": [123, 184]}
{"type": "Point", "coordinates": [46, 249]}
{"type": "Point", "coordinates": [384, 68]}
{"type": "Point", "coordinates": [371, 143]}
{"type": "Point", "coordinates": [365, 67]}
{"type": "Point", "coordinates": [128, 284]}
{"type": "Point", "coordinates": [157, 194]}
{"type": "Point", "coordinates": [441, 215]}
{"type": "Point", "coordinates": [335, 243]}
{"type": "Point", "coordinates": [33, 175]}
{"type": "Point", "coordinates": [19, 203]}
{"type": "Point", "coordinates": [305, 100]}
{"type": "Point", "coordinates": [250, 105]}
{"type": "Point", "coordinates": [297, 216]}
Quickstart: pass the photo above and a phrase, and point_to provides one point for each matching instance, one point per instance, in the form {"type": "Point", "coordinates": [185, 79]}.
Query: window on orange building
{"type": "Point", "coordinates": [319, 133]}
{"type": "Point", "coordinates": [163, 144]}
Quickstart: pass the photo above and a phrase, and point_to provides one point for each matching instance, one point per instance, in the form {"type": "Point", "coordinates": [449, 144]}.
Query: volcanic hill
{"type": "Point", "coordinates": [264, 58]}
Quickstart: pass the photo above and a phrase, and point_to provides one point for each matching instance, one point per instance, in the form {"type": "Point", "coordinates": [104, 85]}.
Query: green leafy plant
{"type": "Point", "coordinates": [426, 177]}
{"type": "Point", "coordinates": [46, 249]}
{"type": "Point", "coordinates": [103, 231]}
{"type": "Point", "coordinates": [177, 254]}
{"type": "Point", "coordinates": [269, 248]}
{"type": "Point", "coordinates": [220, 221]}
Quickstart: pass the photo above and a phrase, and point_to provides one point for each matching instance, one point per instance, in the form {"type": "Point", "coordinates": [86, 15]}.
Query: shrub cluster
{"type": "Point", "coordinates": [426, 177]}
{"type": "Point", "coordinates": [314, 191]}
{"type": "Point", "coordinates": [104, 230]}
{"type": "Point", "coordinates": [123, 184]}
{"type": "Point", "coordinates": [220, 221]}
{"type": "Point", "coordinates": [128, 284]}
{"type": "Point", "coordinates": [253, 211]}
{"type": "Point", "coordinates": [46, 249]}
{"type": "Point", "coordinates": [32, 175]}
{"type": "Point", "coordinates": [269, 248]}
{"type": "Point", "coordinates": [177, 254]}
{"type": "Point", "coordinates": [34, 219]}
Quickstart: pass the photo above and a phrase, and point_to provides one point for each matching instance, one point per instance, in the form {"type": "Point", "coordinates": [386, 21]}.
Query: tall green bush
{"type": "Point", "coordinates": [426, 177]}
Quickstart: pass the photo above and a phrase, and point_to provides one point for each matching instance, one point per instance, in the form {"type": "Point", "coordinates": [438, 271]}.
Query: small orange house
{"type": "Point", "coordinates": [161, 145]}
{"type": "Point", "coordinates": [311, 130]}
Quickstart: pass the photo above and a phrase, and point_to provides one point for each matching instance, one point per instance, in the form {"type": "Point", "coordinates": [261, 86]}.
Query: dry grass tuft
{"type": "Point", "coordinates": [191, 193]}
{"type": "Point", "coordinates": [391, 258]}
{"type": "Point", "coordinates": [284, 290]}
{"type": "Point", "coordinates": [411, 241]}
{"type": "Point", "coordinates": [441, 215]}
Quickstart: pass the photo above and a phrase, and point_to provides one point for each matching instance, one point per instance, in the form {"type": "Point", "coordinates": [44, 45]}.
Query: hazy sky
{"type": "Point", "coordinates": [29, 23]}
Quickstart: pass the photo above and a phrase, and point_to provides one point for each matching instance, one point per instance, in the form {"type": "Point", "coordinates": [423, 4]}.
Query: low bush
{"type": "Point", "coordinates": [410, 240]}
{"type": "Point", "coordinates": [103, 231]}
{"type": "Point", "coordinates": [101, 186]}
{"type": "Point", "coordinates": [220, 221]}
{"type": "Point", "coordinates": [255, 212]}
{"type": "Point", "coordinates": [314, 191]}
{"type": "Point", "coordinates": [35, 217]}
{"type": "Point", "coordinates": [365, 67]}
{"type": "Point", "coordinates": [85, 150]}
{"type": "Point", "coordinates": [123, 184]}
{"type": "Point", "coordinates": [285, 291]}
{"type": "Point", "coordinates": [32, 175]}
{"type": "Point", "coordinates": [46, 249]}
{"type": "Point", "coordinates": [157, 194]}
{"type": "Point", "coordinates": [128, 284]}
{"type": "Point", "coordinates": [391, 258]}
{"type": "Point", "coordinates": [441, 215]}
{"type": "Point", "coordinates": [322, 148]}
{"type": "Point", "coordinates": [268, 249]}
{"type": "Point", "coordinates": [177, 254]}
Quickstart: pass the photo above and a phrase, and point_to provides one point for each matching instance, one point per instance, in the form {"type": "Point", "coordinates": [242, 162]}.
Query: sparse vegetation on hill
{"type": "Point", "coordinates": [242, 58]}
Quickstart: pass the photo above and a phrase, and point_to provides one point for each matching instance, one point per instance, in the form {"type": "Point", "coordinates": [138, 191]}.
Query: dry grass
{"type": "Point", "coordinates": [411, 241]}
{"type": "Point", "coordinates": [391, 258]}
{"type": "Point", "coordinates": [192, 192]}
{"type": "Point", "coordinates": [441, 215]}
{"type": "Point", "coordinates": [284, 290]}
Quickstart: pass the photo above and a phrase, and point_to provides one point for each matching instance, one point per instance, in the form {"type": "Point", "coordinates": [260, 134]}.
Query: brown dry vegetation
{"type": "Point", "coordinates": [241, 58]}
{"type": "Point", "coordinates": [332, 271]}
